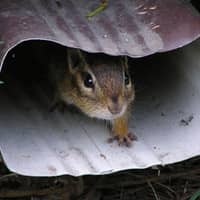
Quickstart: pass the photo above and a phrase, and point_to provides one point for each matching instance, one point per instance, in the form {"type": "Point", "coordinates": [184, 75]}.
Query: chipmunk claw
{"type": "Point", "coordinates": [125, 140]}
{"type": "Point", "coordinates": [132, 136]}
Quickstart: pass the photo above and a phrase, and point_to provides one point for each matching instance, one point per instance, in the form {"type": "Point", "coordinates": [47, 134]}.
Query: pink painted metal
{"type": "Point", "coordinates": [133, 27]}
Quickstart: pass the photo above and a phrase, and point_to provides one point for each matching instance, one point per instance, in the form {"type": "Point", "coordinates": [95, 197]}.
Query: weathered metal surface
{"type": "Point", "coordinates": [38, 143]}
{"type": "Point", "coordinates": [166, 116]}
{"type": "Point", "coordinates": [132, 27]}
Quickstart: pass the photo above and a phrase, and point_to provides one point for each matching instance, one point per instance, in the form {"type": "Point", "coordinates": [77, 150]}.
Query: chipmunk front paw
{"type": "Point", "coordinates": [123, 140]}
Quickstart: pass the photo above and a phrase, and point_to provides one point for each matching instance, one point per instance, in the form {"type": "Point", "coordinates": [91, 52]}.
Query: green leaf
{"type": "Point", "coordinates": [98, 10]}
{"type": "Point", "coordinates": [196, 195]}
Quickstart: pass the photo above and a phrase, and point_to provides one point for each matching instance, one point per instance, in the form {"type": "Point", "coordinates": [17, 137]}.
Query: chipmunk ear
{"type": "Point", "coordinates": [75, 59]}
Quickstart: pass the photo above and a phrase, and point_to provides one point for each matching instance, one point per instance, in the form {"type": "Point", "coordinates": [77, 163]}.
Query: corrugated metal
{"type": "Point", "coordinates": [132, 27]}
{"type": "Point", "coordinates": [166, 116]}
{"type": "Point", "coordinates": [35, 142]}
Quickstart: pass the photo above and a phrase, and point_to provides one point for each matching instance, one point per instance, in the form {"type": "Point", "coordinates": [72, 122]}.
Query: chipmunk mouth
{"type": "Point", "coordinates": [118, 112]}
{"type": "Point", "coordinates": [115, 109]}
{"type": "Point", "coordinates": [106, 114]}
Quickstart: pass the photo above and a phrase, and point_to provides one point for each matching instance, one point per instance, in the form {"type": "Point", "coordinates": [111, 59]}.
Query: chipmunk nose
{"type": "Point", "coordinates": [114, 107]}
{"type": "Point", "coordinates": [114, 99]}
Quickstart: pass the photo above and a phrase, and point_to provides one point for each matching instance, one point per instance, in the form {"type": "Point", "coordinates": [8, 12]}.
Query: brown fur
{"type": "Point", "coordinates": [109, 98]}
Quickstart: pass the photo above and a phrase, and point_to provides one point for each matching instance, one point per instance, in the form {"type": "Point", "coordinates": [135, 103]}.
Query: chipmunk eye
{"type": "Point", "coordinates": [88, 81]}
{"type": "Point", "coordinates": [126, 78]}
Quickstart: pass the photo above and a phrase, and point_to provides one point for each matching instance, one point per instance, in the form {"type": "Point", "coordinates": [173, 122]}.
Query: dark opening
{"type": "Point", "coordinates": [28, 65]}
{"type": "Point", "coordinates": [196, 4]}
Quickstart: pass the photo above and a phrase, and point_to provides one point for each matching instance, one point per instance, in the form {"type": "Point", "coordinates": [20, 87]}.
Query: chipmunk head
{"type": "Point", "coordinates": [99, 85]}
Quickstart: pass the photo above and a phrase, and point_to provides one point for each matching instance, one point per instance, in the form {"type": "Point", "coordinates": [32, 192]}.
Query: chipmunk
{"type": "Point", "coordinates": [100, 86]}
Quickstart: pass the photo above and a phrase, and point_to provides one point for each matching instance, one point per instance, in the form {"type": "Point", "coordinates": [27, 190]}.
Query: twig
{"type": "Point", "coordinates": [31, 192]}
{"type": "Point", "coordinates": [153, 190]}
{"type": "Point", "coordinates": [7, 177]}
{"type": "Point", "coordinates": [166, 187]}
{"type": "Point", "coordinates": [151, 179]}
{"type": "Point", "coordinates": [88, 194]}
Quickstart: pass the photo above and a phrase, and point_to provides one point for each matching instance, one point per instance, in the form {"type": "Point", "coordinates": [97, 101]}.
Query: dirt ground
{"type": "Point", "coordinates": [179, 181]}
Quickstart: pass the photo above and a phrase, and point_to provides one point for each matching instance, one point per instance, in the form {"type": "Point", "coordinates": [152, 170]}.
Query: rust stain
{"type": "Point", "coordinates": [52, 169]}
{"type": "Point", "coordinates": [103, 156]}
